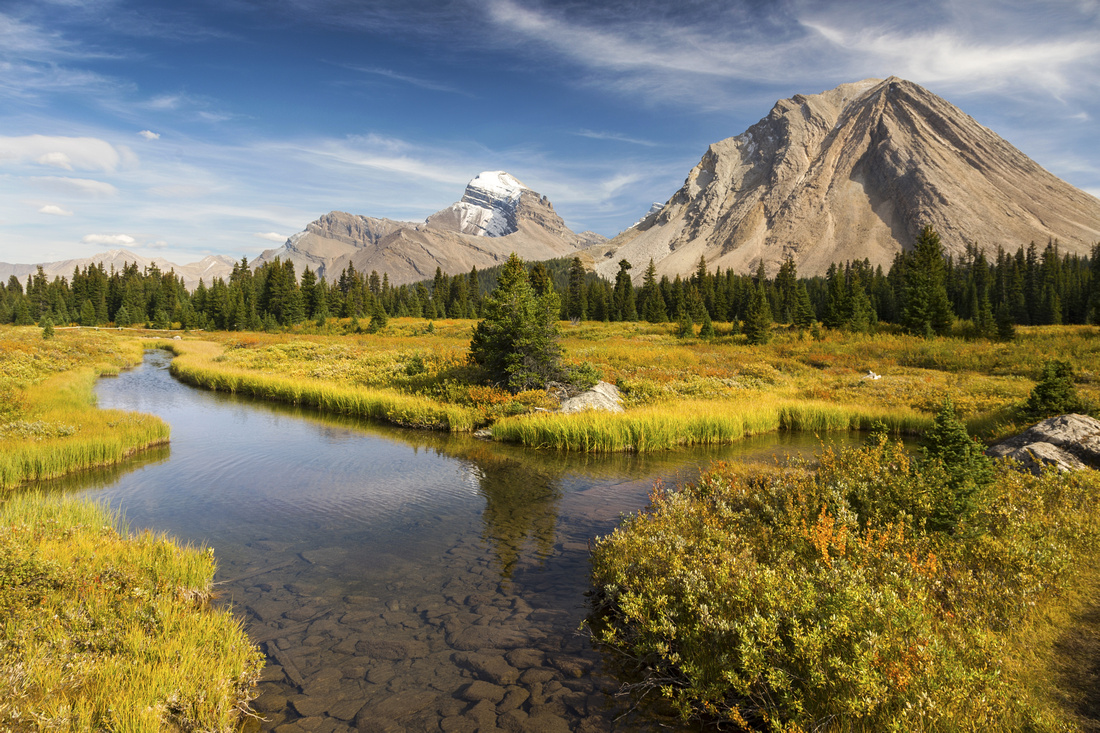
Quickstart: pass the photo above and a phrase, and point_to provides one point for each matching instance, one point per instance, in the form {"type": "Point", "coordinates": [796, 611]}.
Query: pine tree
{"type": "Point", "coordinates": [967, 469]}
{"type": "Point", "coordinates": [758, 317]}
{"type": "Point", "coordinates": [927, 309]}
{"type": "Point", "coordinates": [576, 303]}
{"type": "Point", "coordinates": [803, 309]}
{"type": "Point", "coordinates": [706, 331]}
{"type": "Point", "coordinates": [623, 305]}
{"type": "Point", "coordinates": [685, 326]}
{"type": "Point", "coordinates": [516, 343]}
{"type": "Point", "coordinates": [650, 301]}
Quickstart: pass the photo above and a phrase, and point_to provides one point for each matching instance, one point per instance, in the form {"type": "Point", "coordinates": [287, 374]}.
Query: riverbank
{"type": "Point", "coordinates": [104, 629]}
{"type": "Point", "coordinates": [49, 424]}
{"type": "Point", "coordinates": [677, 391]}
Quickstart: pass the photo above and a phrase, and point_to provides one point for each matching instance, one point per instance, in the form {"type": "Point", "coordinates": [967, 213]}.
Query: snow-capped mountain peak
{"type": "Point", "coordinates": [488, 207]}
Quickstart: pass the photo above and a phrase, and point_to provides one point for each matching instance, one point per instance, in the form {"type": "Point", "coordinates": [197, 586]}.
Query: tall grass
{"type": "Point", "coordinates": [106, 630]}
{"type": "Point", "coordinates": [196, 364]}
{"type": "Point", "coordinates": [670, 425]}
{"type": "Point", "coordinates": [57, 429]}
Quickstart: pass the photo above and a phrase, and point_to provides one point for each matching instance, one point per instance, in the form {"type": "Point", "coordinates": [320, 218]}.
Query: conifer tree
{"type": "Point", "coordinates": [685, 326]}
{"type": "Point", "coordinates": [576, 302]}
{"type": "Point", "coordinates": [516, 343]}
{"type": "Point", "coordinates": [623, 307]}
{"type": "Point", "coordinates": [758, 317]}
{"type": "Point", "coordinates": [926, 309]}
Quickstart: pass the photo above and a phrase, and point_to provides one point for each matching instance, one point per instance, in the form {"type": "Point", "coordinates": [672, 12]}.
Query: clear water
{"type": "Point", "coordinates": [397, 580]}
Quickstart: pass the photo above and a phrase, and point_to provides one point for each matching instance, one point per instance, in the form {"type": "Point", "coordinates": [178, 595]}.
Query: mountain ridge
{"type": "Point", "coordinates": [854, 173]}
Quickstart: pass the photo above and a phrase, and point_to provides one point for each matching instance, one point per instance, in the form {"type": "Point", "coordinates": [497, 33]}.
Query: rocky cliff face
{"type": "Point", "coordinates": [854, 173]}
{"type": "Point", "coordinates": [496, 216]}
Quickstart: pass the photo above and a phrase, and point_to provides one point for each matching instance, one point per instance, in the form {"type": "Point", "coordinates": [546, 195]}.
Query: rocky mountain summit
{"type": "Point", "coordinates": [852, 173]}
{"type": "Point", "coordinates": [496, 216]}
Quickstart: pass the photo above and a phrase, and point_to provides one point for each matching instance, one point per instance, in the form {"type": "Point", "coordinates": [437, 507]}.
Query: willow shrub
{"type": "Point", "coordinates": [791, 599]}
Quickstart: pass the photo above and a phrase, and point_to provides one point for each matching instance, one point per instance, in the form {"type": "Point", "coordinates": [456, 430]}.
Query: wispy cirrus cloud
{"type": "Point", "coordinates": [410, 80]}
{"type": "Point", "coordinates": [616, 137]}
{"type": "Point", "coordinates": [83, 187]}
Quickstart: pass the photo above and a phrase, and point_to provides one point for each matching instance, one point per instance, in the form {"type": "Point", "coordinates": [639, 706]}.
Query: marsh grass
{"type": "Point", "coordinates": [104, 629]}
{"type": "Point", "coordinates": [196, 363]}
{"type": "Point", "coordinates": [665, 426]}
{"type": "Point", "coordinates": [55, 427]}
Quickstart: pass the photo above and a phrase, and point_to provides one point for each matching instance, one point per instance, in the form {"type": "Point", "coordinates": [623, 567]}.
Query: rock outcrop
{"type": "Point", "coordinates": [854, 173]}
{"type": "Point", "coordinates": [603, 396]}
{"type": "Point", "coordinates": [497, 215]}
{"type": "Point", "coordinates": [1068, 442]}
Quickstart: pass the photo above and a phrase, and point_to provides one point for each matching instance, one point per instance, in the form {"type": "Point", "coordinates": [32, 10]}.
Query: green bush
{"type": "Point", "coordinates": [1055, 394]}
{"type": "Point", "coordinates": [791, 599]}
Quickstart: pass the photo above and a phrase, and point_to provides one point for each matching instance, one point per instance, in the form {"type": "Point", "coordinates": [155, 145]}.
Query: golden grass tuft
{"type": "Point", "coordinates": [107, 630]}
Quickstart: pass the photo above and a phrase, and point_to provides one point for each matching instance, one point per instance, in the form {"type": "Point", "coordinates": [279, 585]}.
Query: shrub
{"type": "Point", "coordinates": [788, 599]}
{"type": "Point", "coordinates": [1055, 394]}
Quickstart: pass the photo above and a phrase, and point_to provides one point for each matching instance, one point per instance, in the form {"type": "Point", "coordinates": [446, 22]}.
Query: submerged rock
{"type": "Point", "coordinates": [1068, 442]}
{"type": "Point", "coordinates": [603, 396]}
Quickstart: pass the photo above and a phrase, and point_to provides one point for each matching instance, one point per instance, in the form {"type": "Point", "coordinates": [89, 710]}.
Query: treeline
{"type": "Point", "coordinates": [925, 291]}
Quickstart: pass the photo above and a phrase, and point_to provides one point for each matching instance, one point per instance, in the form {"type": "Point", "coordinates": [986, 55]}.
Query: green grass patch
{"type": "Point", "coordinates": [49, 425]}
{"type": "Point", "coordinates": [105, 629]}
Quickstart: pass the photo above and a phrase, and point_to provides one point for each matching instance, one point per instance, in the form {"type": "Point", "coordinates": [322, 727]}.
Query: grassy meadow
{"type": "Point", "coordinates": [677, 391]}
{"type": "Point", "coordinates": [49, 425]}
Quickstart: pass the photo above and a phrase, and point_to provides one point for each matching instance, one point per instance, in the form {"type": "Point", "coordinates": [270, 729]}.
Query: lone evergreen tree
{"type": "Point", "coordinates": [516, 343]}
{"type": "Point", "coordinates": [926, 309]}
{"type": "Point", "coordinates": [1055, 394]}
{"type": "Point", "coordinates": [965, 463]}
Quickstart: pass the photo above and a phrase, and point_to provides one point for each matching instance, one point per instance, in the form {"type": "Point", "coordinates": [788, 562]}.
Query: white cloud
{"type": "Point", "coordinates": [108, 239]}
{"type": "Point", "coordinates": [54, 210]}
{"type": "Point", "coordinates": [617, 137]}
{"type": "Point", "coordinates": [270, 236]}
{"type": "Point", "coordinates": [70, 153]}
{"type": "Point", "coordinates": [950, 57]}
{"type": "Point", "coordinates": [76, 186]}
{"type": "Point", "coordinates": [150, 135]}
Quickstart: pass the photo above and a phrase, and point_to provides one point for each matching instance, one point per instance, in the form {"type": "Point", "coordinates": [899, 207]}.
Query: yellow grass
{"type": "Point", "coordinates": [104, 630]}
{"type": "Point", "coordinates": [55, 427]}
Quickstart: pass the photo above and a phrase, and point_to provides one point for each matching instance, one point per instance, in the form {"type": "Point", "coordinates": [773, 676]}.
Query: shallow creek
{"type": "Point", "coordinates": [397, 580]}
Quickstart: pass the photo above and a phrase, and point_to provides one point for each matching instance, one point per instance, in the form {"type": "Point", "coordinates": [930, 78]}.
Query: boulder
{"type": "Point", "coordinates": [603, 396]}
{"type": "Point", "coordinates": [1069, 442]}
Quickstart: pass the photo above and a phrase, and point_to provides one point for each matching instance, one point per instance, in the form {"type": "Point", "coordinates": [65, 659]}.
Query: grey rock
{"type": "Point", "coordinates": [603, 396]}
{"type": "Point", "coordinates": [1067, 442]}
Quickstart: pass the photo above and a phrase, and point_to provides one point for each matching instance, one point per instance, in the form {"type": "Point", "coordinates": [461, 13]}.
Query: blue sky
{"type": "Point", "coordinates": [190, 128]}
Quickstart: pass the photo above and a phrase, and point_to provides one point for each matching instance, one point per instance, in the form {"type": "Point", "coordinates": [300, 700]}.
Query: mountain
{"type": "Point", "coordinates": [207, 268]}
{"type": "Point", "coordinates": [496, 216]}
{"type": "Point", "coordinates": [852, 173]}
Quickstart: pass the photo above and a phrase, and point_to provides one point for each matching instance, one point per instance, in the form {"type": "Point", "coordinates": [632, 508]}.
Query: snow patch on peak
{"type": "Point", "coordinates": [488, 207]}
{"type": "Point", "coordinates": [657, 206]}
{"type": "Point", "coordinates": [497, 183]}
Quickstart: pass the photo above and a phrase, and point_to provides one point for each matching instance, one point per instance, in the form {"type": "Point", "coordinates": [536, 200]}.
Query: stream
{"type": "Point", "coordinates": [397, 580]}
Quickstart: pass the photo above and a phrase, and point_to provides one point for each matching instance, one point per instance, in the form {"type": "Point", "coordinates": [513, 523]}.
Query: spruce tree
{"type": "Point", "coordinates": [758, 317]}
{"type": "Point", "coordinates": [706, 331]}
{"type": "Point", "coordinates": [685, 326]}
{"type": "Point", "coordinates": [576, 303]}
{"type": "Point", "coordinates": [927, 309]}
{"type": "Point", "coordinates": [516, 343]}
{"type": "Point", "coordinates": [967, 469]}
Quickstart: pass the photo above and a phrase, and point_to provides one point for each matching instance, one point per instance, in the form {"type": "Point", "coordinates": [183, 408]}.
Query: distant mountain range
{"type": "Point", "coordinates": [852, 173]}
{"type": "Point", "coordinates": [207, 268]}
{"type": "Point", "coordinates": [496, 216]}
{"type": "Point", "coordinates": [855, 173]}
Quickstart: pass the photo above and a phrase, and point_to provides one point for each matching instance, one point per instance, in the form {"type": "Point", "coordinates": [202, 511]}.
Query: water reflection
{"type": "Point", "coordinates": [397, 580]}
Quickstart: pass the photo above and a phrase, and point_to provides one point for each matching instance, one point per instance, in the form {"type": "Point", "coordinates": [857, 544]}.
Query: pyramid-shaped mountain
{"type": "Point", "coordinates": [855, 173]}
